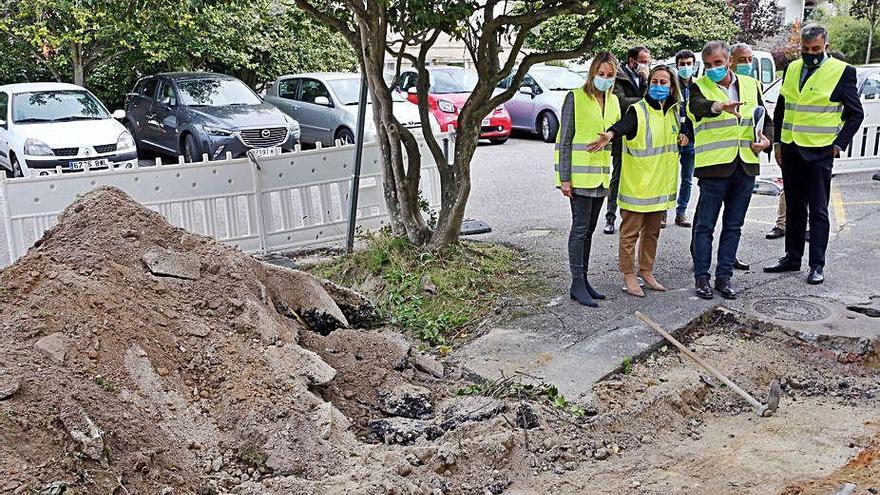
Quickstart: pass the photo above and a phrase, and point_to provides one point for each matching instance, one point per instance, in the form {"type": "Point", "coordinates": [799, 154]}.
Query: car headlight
{"type": "Point", "coordinates": [217, 131]}
{"type": "Point", "coordinates": [446, 106]}
{"type": "Point", "coordinates": [125, 141]}
{"type": "Point", "coordinates": [35, 147]}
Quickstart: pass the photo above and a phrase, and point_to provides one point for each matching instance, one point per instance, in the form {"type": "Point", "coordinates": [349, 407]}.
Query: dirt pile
{"type": "Point", "coordinates": [139, 358]}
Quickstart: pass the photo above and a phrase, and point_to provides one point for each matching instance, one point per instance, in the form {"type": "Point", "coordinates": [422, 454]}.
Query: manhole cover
{"type": "Point", "coordinates": [791, 309]}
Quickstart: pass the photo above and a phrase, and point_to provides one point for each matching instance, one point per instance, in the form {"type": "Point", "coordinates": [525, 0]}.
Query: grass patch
{"type": "Point", "coordinates": [437, 295]}
{"type": "Point", "coordinates": [507, 388]}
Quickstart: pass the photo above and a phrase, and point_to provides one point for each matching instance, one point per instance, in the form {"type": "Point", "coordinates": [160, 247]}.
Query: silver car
{"type": "Point", "coordinates": [326, 104]}
{"type": "Point", "coordinates": [537, 106]}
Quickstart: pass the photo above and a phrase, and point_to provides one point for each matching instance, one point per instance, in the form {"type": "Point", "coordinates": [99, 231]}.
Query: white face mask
{"type": "Point", "coordinates": [642, 68]}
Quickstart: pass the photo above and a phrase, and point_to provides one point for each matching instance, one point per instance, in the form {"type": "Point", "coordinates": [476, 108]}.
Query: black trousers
{"type": "Point", "coordinates": [807, 191]}
{"type": "Point", "coordinates": [613, 186]}
{"type": "Point", "coordinates": [585, 212]}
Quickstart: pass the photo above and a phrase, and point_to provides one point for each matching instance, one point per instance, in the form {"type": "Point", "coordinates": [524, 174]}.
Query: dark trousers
{"type": "Point", "coordinates": [807, 191]}
{"type": "Point", "coordinates": [734, 193]}
{"type": "Point", "coordinates": [585, 212]}
{"type": "Point", "coordinates": [686, 159]}
{"type": "Point", "coordinates": [616, 162]}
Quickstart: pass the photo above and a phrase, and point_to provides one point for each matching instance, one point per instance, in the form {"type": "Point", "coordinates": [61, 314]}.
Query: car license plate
{"type": "Point", "coordinates": [486, 123]}
{"type": "Point", "coordinates": [80, 164]}
{"type": "Point", "coordinates": [259, 152]}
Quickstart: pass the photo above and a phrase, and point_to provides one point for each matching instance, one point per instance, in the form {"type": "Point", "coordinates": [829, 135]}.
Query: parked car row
{"type": "Point", "coordinates": [49, 126]}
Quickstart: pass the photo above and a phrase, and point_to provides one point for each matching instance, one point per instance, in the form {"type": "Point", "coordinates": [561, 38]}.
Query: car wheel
{"type": "Point", "coordinates": [345, 135]}
{"type": "Point", "coordinates": [16, 168]}
{"type": "Point", "coordinates": [548, 126]}
{"type": "Point", "coordinates": [191, 152]}
{"type": "Point", "coordinates": [498, 140]}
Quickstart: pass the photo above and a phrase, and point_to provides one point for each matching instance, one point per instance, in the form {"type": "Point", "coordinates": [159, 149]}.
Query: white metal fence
{"type": "Point", "coordinates": [290, 200]}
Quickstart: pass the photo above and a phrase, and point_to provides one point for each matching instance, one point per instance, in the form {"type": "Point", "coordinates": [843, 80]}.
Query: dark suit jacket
{"type": "Point", "coordinates": [846, 93]}
{"type": "Point", "coordinates": [701, 107]}
{"type": "Point", "coordinates": [627, 92]}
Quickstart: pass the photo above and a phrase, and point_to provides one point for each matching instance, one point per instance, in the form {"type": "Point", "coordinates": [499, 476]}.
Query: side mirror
{"type": "Point", "coordinates": [3, 123]}
{"type": "Point", "coordinates": [870, 96]}
{"type": "Point", "coordinates": [527, 90]}
{"type": "Point", "coordinates": [118, 114]}
{"type": "Point", "coordinates": [322, 100]}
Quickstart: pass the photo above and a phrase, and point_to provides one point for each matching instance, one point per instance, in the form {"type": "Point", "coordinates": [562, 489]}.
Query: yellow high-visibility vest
{"type": "Point", "coordinates": [649, 173]}
{"type": "Point", "coordinates": [811, 119]}
{"type": "Point", "coordinates": [590, 170]}
{"type": "Point", "coordinates": [718, 140]}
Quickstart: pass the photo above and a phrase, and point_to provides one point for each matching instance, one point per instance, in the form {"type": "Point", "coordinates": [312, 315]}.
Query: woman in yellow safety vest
{"type": "Point", "coordinates": [583, 176]}
{"type": "Point", "coordinates": [651, 133]}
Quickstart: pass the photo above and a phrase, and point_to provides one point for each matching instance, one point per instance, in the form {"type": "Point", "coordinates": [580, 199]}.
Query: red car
{"type": "Point", "coordinates": [450, 88]}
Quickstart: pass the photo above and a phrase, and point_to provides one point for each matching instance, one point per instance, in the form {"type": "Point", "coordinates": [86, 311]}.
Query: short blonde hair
{"type": "Point", "coordinates": [598, 60]}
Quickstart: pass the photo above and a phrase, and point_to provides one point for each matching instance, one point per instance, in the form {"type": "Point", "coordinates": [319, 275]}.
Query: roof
{"type": "Point", "coordinates": [183, 76]}
{"type": "Point", "coordinates": [39, 86]}
{"type": "Point", "coordinates": [324, 75]}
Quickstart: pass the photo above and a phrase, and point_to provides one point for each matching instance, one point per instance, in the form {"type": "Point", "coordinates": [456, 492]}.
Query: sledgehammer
{"type": "Point", "coordinates": [762, 410]}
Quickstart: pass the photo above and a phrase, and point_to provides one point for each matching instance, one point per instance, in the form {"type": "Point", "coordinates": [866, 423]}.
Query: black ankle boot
{"type": "Point", "coordinates": [593, 292]}
{"type": "Point", "coordinates": [579, 292]}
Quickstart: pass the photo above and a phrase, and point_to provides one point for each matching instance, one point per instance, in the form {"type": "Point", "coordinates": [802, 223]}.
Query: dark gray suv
{"type": "Point", "coordinates": [196, 113]}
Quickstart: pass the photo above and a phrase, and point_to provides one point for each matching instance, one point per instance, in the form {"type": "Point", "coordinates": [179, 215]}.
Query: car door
{"type": "Point", "coordinates": [315, 111]}
{"type": "Point", "coordinates": [163, 116]}
{"type": "Point", "coordinates": [138, 104]}
{"type": "Point", "coordinates": [284, 97]}
{"type": "Point", "coordinates": [522, 106]}
{"type": "Point", "coordinates": [4, 131]}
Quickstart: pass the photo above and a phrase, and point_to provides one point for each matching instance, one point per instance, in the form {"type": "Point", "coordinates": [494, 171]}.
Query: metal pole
{"type": "Point", "coordinates": [358, 158]}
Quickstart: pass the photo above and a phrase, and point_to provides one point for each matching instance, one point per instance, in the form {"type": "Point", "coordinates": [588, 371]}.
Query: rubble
{"type": "Point", "coordinates": [165, 263]}
{"type": "Point", "coordinates": [185, 366]}
{"type": "Point", "coordinates": [9, 385]}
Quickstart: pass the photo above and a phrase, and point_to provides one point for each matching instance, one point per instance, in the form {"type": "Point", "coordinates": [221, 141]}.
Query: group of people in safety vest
{"type": "Point", "coordinates": [630, 133]}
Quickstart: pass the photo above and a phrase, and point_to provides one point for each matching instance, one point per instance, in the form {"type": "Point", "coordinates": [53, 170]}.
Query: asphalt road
{"type": "Point", "coordinates": [573, 346]}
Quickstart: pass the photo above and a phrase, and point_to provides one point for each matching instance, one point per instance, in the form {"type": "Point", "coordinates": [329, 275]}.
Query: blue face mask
{"type": "Point", "coordinates": [603, 84]}
{"type": "Point", "coordinates": [686, 71]}
{"type": "Point", "coordinates": [744, 69]}
{"type": "Point", "coordinates": [716, 74]}
{"type": "Point", "coordinates": [659, 93]}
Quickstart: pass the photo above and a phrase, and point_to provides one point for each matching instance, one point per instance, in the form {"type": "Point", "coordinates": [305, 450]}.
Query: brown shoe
{"type": "Point", "coordinates": [632, 285]}
{"type": "Point", "coordinates": [652, 282]}
{"type": "Point", "coordinates": [682, 221]}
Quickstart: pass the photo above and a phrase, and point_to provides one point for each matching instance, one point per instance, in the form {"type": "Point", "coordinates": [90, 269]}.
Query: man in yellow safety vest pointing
{"type": "Point", "coordinates": [723, 108]}
{"type": "Point", "coordinates": [816, 117]}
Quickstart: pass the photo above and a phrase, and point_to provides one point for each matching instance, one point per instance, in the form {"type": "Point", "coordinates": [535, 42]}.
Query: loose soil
{"type": "Point", "coordinates": [210, 372]}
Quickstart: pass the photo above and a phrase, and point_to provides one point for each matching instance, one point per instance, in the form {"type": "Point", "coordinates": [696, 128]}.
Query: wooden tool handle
{"type": "Point", "coordinates": [759, 408]}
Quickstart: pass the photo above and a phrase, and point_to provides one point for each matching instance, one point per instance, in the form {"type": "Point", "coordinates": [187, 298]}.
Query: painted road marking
{"type": "Point", "coordinates": [839, 208]}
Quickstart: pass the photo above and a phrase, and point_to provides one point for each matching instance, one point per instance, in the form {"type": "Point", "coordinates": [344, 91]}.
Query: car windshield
{"type": "Point", "coordinates": [348, 91]}
{"type": "Point", "coordinates": [561, 79]}
{"type": "Point", "coordinates": [56, 106]}
{"type": "Point", "coordinates": [452, 81]}
{"type": "Point", "coordinates": [216, 93]}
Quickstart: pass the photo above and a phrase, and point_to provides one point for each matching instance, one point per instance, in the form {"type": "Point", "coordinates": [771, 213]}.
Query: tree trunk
{"type": "Point", "coordinates": [399, 149]}
{"type": "Point", "coordinates": [76, 58]}
{"type": "Point", "coordinates": [873, 25]}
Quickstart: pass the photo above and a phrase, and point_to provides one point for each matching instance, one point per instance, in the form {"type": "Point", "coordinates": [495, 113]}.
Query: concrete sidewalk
{"type": "Point", "coordinates": [572, 346]}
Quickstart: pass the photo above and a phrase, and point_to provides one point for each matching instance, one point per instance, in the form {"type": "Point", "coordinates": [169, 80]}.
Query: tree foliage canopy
{"type": "Point", "coordinates": [110, 43]}
{"type": "Point", "coordinates": [664, 26]}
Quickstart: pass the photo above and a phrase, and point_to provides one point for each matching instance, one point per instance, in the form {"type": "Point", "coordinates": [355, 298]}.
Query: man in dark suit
{"type": "Point", "coordinates": [630, 86]}
{"type": "Point", "coordinates": [817, 114]}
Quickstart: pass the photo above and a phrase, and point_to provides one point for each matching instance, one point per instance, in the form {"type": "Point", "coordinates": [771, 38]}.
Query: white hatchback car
{"type": "Point", "coordinates": [46, 126]}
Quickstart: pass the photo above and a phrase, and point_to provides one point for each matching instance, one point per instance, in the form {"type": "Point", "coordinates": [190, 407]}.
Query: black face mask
{"type": "Point", "coordinates": [812, 59]}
